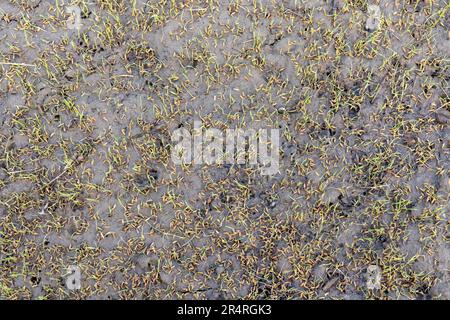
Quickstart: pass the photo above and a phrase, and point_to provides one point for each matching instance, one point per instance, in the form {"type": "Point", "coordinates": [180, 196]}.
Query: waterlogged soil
{"type": "Point", "coordinates": [86, 177]}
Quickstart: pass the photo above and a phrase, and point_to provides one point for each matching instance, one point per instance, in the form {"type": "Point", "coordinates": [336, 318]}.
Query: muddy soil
{"type": "Point", "coordinates": [86, 177]}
